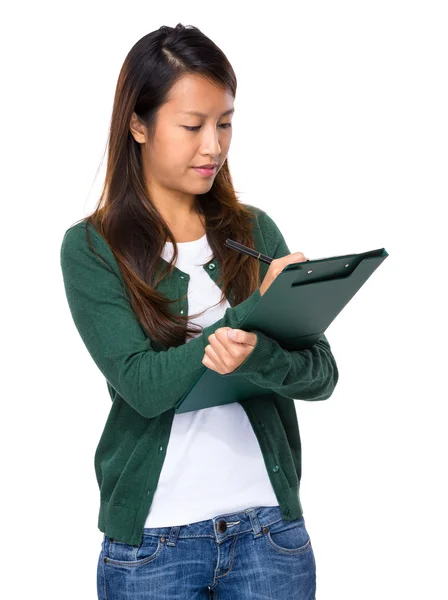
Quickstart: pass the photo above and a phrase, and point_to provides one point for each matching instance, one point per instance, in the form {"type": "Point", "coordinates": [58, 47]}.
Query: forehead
{"type": "Point", "coordinates": [195, 93]}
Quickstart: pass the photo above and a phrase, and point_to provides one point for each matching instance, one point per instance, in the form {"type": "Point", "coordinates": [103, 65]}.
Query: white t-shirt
{"type": "Point", "coordinates": [213, 462]}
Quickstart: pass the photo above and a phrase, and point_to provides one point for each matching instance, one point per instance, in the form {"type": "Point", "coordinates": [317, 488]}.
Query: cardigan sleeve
{"type": "Point", "coordinates": [308, 374]}
{"type": "Point", "coordinates": [151, 381]}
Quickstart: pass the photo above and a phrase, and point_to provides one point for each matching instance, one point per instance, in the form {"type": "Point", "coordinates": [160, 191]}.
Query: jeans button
{"type": "Point", "coordinates": [221, 526]}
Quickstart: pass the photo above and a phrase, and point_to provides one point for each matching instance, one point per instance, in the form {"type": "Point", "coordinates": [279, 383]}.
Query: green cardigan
{"type": "Point", "coordinates": [145, 383]}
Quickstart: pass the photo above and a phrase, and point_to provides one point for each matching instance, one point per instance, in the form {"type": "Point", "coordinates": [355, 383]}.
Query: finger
{"type": "Point", "coordinates": [215, 355]}
{"type": "Point", "coordinates": [218, 341]}
{"type": "Point", "coordinates": [207, 361]}
{"type": "Point", "coordinates": [222, 349]}
{"type": "Point", "coordinates": [222, 345]}
{"type": "Point", "coordinates": [292, 258]}
{"type": "Point", "coordinates": [242, 337]}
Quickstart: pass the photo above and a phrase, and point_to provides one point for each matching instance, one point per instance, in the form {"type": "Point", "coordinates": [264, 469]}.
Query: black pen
{"type": "Point", "coordinates": [249, 251]}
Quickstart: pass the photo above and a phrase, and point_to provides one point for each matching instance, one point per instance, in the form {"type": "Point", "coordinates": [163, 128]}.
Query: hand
{"type": "Point", "coordinates": [223, 354]}
{"type": "Point", "coordinates": [277, 265]}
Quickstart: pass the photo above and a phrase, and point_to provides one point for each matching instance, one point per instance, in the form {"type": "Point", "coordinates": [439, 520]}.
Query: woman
{"type": "Point", "coordinates": [204, 503]}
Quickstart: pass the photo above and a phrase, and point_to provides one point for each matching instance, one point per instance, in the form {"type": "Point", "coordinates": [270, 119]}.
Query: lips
{"type": "Point", "coordinates": [205, 172]}
{"type": "Point", "coordinates": [209, 166]}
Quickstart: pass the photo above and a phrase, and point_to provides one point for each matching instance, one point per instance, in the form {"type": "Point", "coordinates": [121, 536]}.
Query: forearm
{"type": "Point", "coordinates": [308, 374]}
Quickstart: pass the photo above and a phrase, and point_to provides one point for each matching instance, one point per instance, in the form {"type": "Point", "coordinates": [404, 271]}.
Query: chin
{"type": "Point", "coordinates": [205, 183]}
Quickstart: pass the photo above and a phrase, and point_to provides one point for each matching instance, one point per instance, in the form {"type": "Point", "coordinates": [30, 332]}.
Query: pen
{"type": "Point", "coordinates": [249, 251]}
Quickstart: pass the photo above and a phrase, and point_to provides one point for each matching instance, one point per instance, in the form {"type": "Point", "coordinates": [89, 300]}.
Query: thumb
{"type": "Point", "coordinates": [232, 334]}
{"type": "Point", "coordinates": [242, 337]}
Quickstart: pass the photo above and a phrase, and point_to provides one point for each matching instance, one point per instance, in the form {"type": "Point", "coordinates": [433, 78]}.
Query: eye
{"type": "Point", "coordinates": [223, 125]}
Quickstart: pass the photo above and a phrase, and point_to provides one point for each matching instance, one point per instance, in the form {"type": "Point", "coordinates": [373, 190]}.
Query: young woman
{"type": "Point", "coordinates": [205, 503]}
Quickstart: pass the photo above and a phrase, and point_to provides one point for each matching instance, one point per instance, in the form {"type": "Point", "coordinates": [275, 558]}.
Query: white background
{"type": "Point", "coordinates": [340, 134]}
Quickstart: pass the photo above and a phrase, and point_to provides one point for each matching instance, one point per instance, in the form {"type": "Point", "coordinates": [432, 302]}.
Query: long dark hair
{"type": "Point", "coordinates": [125, 215]}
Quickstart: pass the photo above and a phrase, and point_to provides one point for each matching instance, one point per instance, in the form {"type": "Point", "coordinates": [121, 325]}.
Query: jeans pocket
{"type": "Point", "coordinates": [122, 554]}
{"type": "Point", "coordinates": [288, 537]}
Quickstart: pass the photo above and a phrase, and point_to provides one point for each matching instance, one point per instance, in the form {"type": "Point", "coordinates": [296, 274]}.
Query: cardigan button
{"type": "Point", "coordinates": [275, 468]}
{"type": "Point", "coordinates": [211, 266]}
{"type": "Point", "coordinates": [221, 526]}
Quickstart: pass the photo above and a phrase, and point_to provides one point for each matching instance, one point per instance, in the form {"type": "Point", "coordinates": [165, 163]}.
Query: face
{"type": "Point", "coordinates": [183, 141]}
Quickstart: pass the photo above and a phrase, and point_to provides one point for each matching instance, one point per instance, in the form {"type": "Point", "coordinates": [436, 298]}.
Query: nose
{"type": "Point", "coordinates": [210, 144]}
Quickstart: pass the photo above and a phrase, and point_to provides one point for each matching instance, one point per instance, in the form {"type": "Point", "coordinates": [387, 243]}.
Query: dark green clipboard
{"type": "Point", "coordinates": [295, 310]}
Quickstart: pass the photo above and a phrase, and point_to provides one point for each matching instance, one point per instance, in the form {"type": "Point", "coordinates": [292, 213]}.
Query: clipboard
{"type": "Point", "coordinates": [296, 309]}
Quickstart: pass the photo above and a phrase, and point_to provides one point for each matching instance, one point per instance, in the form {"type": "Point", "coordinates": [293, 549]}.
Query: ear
{"type": "Point", "coordinates": [137, 129]}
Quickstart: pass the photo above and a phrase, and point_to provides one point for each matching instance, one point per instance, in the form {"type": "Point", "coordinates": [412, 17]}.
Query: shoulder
{"type": "Point", "coordinates": [83, 242]}
{"type": "Point", "coordinates": [256, 211]}
{"type": "Point", "coordinates": [80, 234]}
{"type": "Point", "coordinates": [77, 232]}
{"type": "Point", "coordinates": [265, 226]}
{"type": "Point", "coordinates": [260, 219]}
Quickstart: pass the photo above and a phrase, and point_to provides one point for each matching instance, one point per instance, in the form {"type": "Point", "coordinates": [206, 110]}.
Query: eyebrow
{"type": "Point", "coordinates": [199, 114]}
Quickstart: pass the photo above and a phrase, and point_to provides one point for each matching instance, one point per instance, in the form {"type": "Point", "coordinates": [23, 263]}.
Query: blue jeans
{"type": "Point", "coordinates": [249, 554]}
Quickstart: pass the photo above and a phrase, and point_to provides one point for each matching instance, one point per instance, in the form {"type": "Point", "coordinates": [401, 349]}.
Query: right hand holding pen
{"type": "Point", "coordinates": [277, 265]}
